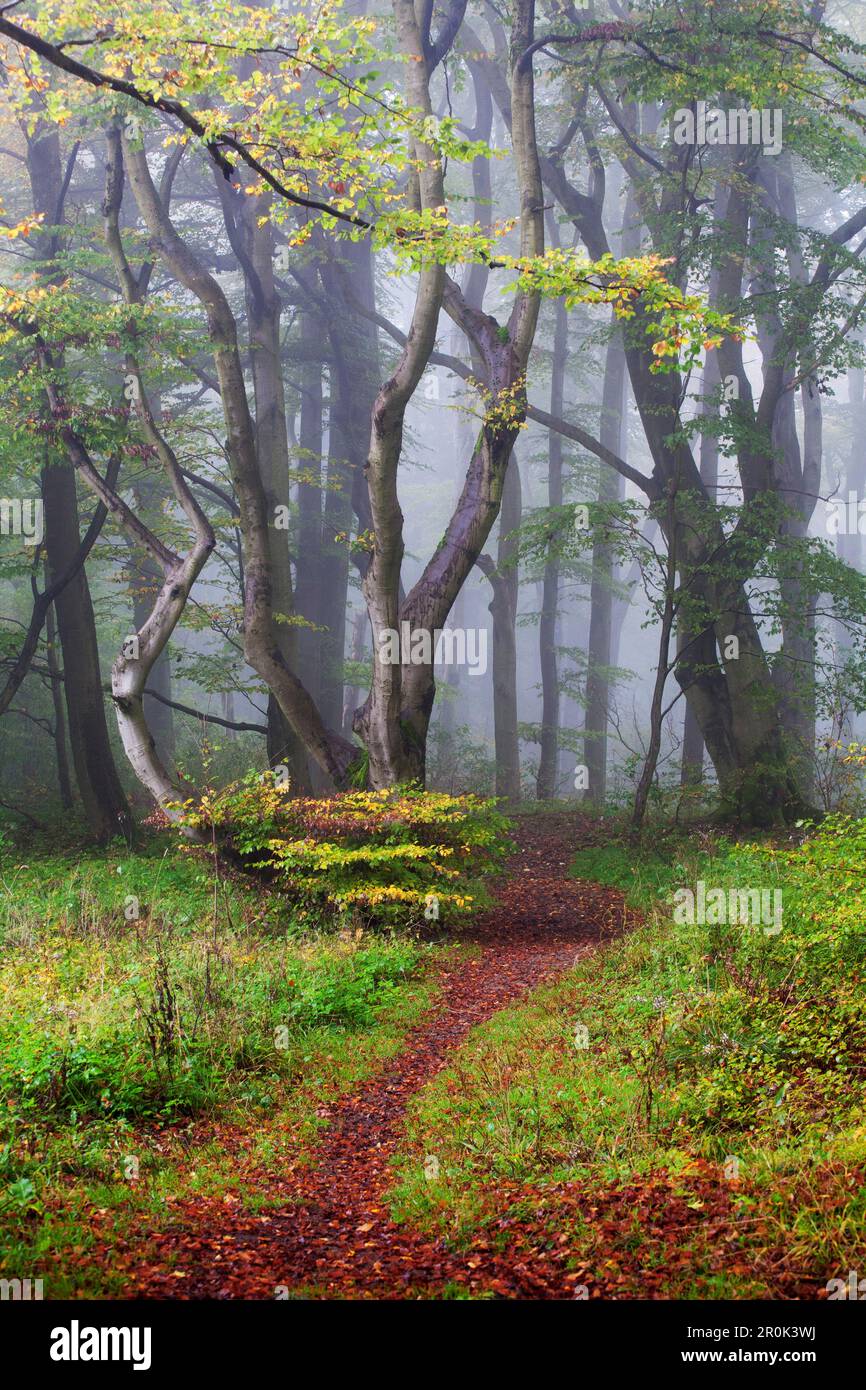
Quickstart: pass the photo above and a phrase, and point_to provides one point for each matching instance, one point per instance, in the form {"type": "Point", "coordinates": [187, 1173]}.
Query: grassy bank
{"type": "Point", "coordinates": [144, 1001]}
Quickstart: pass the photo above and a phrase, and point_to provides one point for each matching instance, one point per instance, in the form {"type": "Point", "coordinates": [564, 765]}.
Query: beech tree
{"type": "Point", "coordinates": [262, 147]}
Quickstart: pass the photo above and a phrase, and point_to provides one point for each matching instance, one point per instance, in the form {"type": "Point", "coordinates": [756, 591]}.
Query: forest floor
{"type": "Point", "coordinates": [465, 1141]}
{"type": "Point", "coordinates": [335, 1236]}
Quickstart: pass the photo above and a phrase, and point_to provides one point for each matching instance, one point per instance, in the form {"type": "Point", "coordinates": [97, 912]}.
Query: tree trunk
{"type": "Point", "coordinates": [354, 387]}
{"type": "Point", "coordinates": [395, 720]}
{"type": "Point", "coordinates": [102, 796]}
{"type": "Point", "coordinates": [545, 786]}
{"type": "Point", "coordinates": [60, 750]}
{"type": "Point", "coordinates": [334, 575]}
{"type": "Point", "coordinates": [599, 655]}
{"type": "Point", "coordinates": [692, 765]}
{"type": "Point", "coordinates": [503, 578]}
{"type": "Point", "coordinates": [272, 449]}
{"type": "Point", "coordinates": [396, 747]}
{"type": "Point", "coordinates": [798, 473]}
{"type": "Point", "coordinates": [145, 579]}
{"type": "Point", "coordinates": [662, 669]}
{"type": "Point", "coordinates": [309, 566]}
{"type": "Point", "coordinates": [328, 747]}
{"type": "Point", "coordinates": [352, 694]}
{"type": "Point", "coordinates": [99, 786]}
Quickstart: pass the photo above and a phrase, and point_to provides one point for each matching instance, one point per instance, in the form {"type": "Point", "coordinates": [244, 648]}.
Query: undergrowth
{"type": "Point", "coordinates": [140, 991]}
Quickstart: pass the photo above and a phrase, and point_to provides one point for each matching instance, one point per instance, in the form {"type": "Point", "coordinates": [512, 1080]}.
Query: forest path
{"type": "Point", "coordinates": [334, 1236]}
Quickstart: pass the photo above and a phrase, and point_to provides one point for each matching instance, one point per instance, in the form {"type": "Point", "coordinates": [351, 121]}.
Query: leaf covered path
{"type": "Point", "coordinates": [334, 1236]}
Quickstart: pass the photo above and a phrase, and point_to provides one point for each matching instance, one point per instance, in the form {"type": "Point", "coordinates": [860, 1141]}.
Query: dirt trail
{"type": "Point", "coordinates": [335, 1235]}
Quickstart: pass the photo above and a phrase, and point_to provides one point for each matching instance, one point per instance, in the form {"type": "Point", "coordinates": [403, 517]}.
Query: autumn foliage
{"type": "Point", "coordinates": [399, 857]}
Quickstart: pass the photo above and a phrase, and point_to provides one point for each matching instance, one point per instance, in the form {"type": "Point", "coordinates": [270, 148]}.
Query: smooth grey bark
{"type": "Point", "coordinates": [352, 693]}
{"type": "Point", "coordinates": [500, 355]}
{"type": "Point", "coordinates": [175, 573]}
{"type": "Point", "coordinates": [396, 748]}
{"type": "Point", "coordinates": [144, 580]}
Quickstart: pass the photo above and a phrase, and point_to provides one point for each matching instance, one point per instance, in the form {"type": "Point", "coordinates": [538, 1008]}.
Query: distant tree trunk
{"type": "Point", "coordinates": [503, 578]}
{"type": "Point", "coordinates": [228, 708]}
{"type": "Point", "coordinates": [849, 544]}
{"type": "Point", "coordinates": [354, 385]}
{"type": "Point", "coordinates": [352, 694]}
{"type": "Point", "coordinates": [799, 477]}
{"type": "Point", "coordinates": [795, 674]}
{"type": "Point", "coordinates": [692, 766]}
{"type": "Point", "coordinates": [334, 574]}
{"type": "Point", "coordinates": [99, 786]}
{"type": "Point", "coordinates": [272, 448]}
{"type": "Point", "coordinates": [309, 565]}
{"type": "Point", "coordinates": [599, 655]}
{"type": "Point", "coordinates": [102, 796]}
{"type": "Point", "coordinates": [604, 630]}
{"type": "Point", "coordinates": [450, 703]}
{"type": "Point", "coordinates": [548, 660]}
{"type": "Point", "coordinates": [60, 750]}
{"type": "Point", "coordinates": [663, 668]}
{"type": "Point", "coordinates": [461, 438]}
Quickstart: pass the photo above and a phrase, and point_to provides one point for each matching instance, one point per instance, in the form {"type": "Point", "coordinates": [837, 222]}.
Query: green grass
{"type": "Point", "coordinates": [118, 1036]}
{"type": "Point", "coordinates": [704, 1043]}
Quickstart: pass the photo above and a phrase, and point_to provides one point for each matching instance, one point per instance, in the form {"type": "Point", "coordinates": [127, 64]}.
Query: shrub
{"type": "Point", "coordinates": [360, 858]}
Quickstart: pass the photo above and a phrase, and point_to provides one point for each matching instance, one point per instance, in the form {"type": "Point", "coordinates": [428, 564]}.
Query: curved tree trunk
{"type": "Point", "coordinates": [329, 748]}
